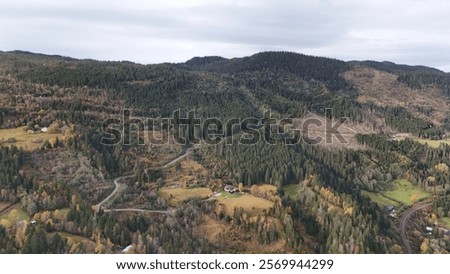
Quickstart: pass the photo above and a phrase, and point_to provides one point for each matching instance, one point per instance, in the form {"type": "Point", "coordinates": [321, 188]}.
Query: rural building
{"type": "Point", "coordinates": [127, 249]}
{"type": "Point", "coordinates": [389, 208]}
{"type": "Point", "coordinates": [230, 189]}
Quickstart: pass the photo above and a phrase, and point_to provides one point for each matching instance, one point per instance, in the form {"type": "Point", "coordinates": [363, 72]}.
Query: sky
{"type": "Point", "coordinates": [414, 32]}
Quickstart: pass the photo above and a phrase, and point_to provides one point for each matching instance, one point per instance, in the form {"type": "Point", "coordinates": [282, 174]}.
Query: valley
{"type": "Point", "coordinates": [219, 155]}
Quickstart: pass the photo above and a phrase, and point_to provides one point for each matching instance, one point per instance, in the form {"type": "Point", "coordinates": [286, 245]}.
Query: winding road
{"type": "Point", "coordinates": [179, 158]}
{"type": "Point", "coordinates": [404, 223]}
{"type": "Point", "coordinates": [117, 186]}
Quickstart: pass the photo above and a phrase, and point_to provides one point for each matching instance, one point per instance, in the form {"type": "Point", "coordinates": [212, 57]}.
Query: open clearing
{"type": "Point", "coordinates": [405, 192]}
{"type": "Point", "coordinates": [445, 221]}
{"type": "Point", "coordinates": [428, 142]}
{"type": "Point", "coordinates": [291, 191]}
{"type": "Point", "coordinates": [232, 240]}
{"type": "Point", "coordinates": [174, 196]}
{"type": "Point", "coordinates": [28, 141]}
{"type": "Point", "coordinates": [319, 131]}
{"type": "Point", "coordinates": [384, 89]}
{"type": "Point", "coordinates": [252, 205]}
{"type": "Point", "coordinates": [380, 199]}
{"type": "Point", "coordinates": [433, 143]}
{"type": "Point", "coordinates": [16, 214]}
{"type": "Point", "coordinates": [189, 171]}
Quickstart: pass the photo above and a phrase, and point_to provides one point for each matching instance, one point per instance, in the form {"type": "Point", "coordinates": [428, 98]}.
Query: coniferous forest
{"type": "Point", "coordinates": [63, 189]}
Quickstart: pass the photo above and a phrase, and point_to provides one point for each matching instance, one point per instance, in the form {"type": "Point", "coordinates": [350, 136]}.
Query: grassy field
{"type": "Point", "coordinates": [380, 199]}
{"type": "Point", "coordinates": [433, 143]}
{"type": "Point", "coordinates": [16, 214]}
{"type": "Point", "coordinates": [291, 191]}
{"type": "Point", "coordinates": [28, 141]}
{"type": "Point", "coordinates": [188, 172]}
{"type": "Point", "coordinates": [251, 204]}
{"type": "Point", "coordinates": [61, 213]}
{"type": "Point", "coordinates": [405, 192]}
{"type": "Point", "coordinates": [226, 195]}
{"type": "Point", "coordinates": [174, 196]}
{"type": "Point", "coordinates": [445, 221]}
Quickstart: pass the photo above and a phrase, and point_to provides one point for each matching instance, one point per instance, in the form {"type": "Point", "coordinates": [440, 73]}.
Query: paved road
{"type": "Point", "coordinates": [404, 223]}
{"type": "Point", "coordinates": [117, 186]}
{"type": "Point", "coordinates": [181, 157]}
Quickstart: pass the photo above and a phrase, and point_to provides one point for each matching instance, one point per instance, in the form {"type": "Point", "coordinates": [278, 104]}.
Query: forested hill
{"type": "Point", "coordinates": [289, 84]}
{"type": "Point", "coordinates": [56, 175]}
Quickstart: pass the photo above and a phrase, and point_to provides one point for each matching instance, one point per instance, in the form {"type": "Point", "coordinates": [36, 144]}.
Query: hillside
{"type": "Point", "coordinates": [93, 153]}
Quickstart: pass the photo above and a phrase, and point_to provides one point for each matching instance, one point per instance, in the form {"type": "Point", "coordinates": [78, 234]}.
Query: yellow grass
{"type": "Point", "coordinates": [189, 171]}
{"type": "Point", "coordinates": [212, 229]}
{"type": "Point", "coordinates": [234, 240]}
{"type": "Point", "coordinates": [28, 141]}
{"type": "Point", "coordinates": [428, 142]}
{"type": "Point", "coordinates": [433, 143]}
{"type": "Point", "coordinates": [16, 214]}
{"type": "Point", "coordinates": [252, 205]}
{"type": "Point", "coordinates": [267, 188]}
{"type": "Point", "coordinates": [174, 196]}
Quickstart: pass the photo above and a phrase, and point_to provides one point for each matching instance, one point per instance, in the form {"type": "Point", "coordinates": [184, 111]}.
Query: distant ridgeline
{"type": "Point", "coordinates": [289, 84]}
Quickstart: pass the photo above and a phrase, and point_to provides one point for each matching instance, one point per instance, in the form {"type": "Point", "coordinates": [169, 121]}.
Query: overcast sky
{"type": "Point", "coordinates": [154, 31]}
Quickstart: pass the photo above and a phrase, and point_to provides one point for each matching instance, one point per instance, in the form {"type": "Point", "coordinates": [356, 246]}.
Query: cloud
{"type": "Point", "coordinates": [414, 32]}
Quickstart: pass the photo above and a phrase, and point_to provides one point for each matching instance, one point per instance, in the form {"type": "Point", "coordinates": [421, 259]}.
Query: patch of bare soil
{"type": "Point", "coordinates": [383, 89]}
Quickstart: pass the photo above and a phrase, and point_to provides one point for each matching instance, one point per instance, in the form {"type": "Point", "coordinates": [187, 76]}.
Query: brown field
{"type": "Point", "coordinates": [28, 141]}
{"type": "Point", "coordinates": [347, 130]}
{"type": "Point", "coordinates": [4, 205]}
{"type": "Point", "coordinates": [14, 215]}
{"type": "Point", "coordinates": [267, 188]}
{"type": "Point", "coordinates": [252, 205]}
{"type": "Point", "coordinates": [227, 239]}
{"type": "Point", "coordinates": [175, 195]}
{"type": "Point", "coordinates": [190, 171]}
{"type": "Point", "coordinates": [383, 89]}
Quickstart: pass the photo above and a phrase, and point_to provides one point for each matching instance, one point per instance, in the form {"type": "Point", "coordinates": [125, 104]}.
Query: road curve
{"type": "Point", "coordinates": [117, 185]}
{"type": "Point", "coordinates": [116, 188]}
{"type": "Point", "coordinates": [176, 160]}
{"type": "Point", "coordinates": [404, 223]}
